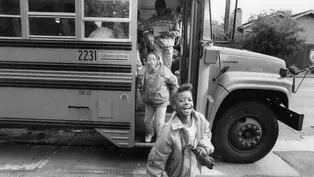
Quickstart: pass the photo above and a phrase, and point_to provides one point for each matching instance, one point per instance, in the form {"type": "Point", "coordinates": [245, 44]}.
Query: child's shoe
{"type": "Point", "coordinates": [148, 138]}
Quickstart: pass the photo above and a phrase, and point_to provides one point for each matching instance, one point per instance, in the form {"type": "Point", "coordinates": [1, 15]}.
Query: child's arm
{"type": "Point", "coordinates": [175, 32]}
{"type": "Point", "coordinates": [158, 156]}
{"type": "Point", "coordinates": [171, 80]}
{"type": "Point", "coordinates": [205, 141]}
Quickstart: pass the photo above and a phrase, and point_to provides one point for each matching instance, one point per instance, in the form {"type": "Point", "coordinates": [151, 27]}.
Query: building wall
{"type": "Point", "coordinates": [301, 59]}
{"type": "Point", "coordinates": [307, 22]}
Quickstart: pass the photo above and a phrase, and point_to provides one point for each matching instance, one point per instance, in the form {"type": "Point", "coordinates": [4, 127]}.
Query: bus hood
{"type": "Point", "coordinates": [242, 60]}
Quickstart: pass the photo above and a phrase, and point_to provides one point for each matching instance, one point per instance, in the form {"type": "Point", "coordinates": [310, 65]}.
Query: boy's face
{"type": "Point", "coordinates": [151, 61]}
{"type": "Point", "coordinates": [184, 103]}
{"type": "Point", "coordinates": [161, 11]}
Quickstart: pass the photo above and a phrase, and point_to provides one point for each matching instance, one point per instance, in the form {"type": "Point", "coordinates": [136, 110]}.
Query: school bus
{"type": "Point", "coordinates": [58, 71]}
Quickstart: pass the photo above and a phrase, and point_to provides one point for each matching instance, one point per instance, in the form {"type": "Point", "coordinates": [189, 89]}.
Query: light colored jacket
{"type": "Point", "coordinates": [101, 33]}
{"type": "Point", "coordinates": [168, 20]}
{"type": "Point", "coordinates": [157, 91]}
{"type": "Point", "coordinates": [172, 151]}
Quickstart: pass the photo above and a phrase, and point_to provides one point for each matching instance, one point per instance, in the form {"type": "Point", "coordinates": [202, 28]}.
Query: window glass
{"type": "Point", "coordinates": [103, 30]}
{"type": "Point", "coordinates": [52, 6]}
{"type": "Point", "coordinates": [10, 7]}
{"type": "Point", "coordinates": [52, 26]}
{"type": "Point", "coordinates": [107, 8]}
{"type": "Point", "coordinates": [10, 21]}
{"type": "Point", "coordinates": [10, 27]}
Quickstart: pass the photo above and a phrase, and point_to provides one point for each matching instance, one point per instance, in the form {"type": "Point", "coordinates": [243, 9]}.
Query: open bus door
{"type": "Point", "coordinates": [191, 43]}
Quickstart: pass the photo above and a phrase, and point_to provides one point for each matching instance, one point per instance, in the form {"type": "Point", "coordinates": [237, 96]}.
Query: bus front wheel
{"type": "Point", "coordinates": [245, 133]}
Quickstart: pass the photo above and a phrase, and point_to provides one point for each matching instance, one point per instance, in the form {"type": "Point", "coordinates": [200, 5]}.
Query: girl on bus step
{"type": "Point", "coordinates": [156, 83]}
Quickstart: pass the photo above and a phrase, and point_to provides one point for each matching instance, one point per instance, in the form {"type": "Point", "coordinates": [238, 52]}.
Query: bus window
{"type": "Point", "coordinates": [106, 19]}
{"type": "Point", "coordinates": [52, 26]}
{"type": "Point", "coordinates": [108, 8]}
{"type": "Point", "coordinates": [10, 19]}
{"type": "Point", "coordinates": [51, 6]}
{"type": "Point", "coordinates": [52, 17]}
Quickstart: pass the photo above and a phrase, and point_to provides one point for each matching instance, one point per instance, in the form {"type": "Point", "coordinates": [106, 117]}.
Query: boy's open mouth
{"type": "Point", "coordinates": [187, 108]}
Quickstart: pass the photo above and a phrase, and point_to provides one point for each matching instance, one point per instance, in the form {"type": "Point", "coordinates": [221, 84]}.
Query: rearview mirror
{"type": "Point", "coordinates": [226, 18]}
{"type": "Point", "coordinates": [312, 56]}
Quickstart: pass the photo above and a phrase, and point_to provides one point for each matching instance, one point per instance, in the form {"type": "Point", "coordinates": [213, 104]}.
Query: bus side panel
{"type": "Point", "coordinates": [57, 104]}
{"type": "Point", "coordinates": [67, 84]}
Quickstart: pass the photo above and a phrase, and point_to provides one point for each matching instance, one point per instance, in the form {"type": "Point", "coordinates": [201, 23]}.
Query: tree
{"type": "Point", "coordinates": [275, 35]}
{"type": "Point", "coordinates": [117, 9]}
{"type": "Point", "coordinates": [218, 30]}
{"type": "Point", "coordinates": [220, 35]}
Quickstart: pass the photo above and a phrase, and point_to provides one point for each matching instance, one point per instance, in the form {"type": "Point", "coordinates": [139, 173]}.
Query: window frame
{"type": "Point", "coordinates": [80, 20]}
{"type": "Point", "coordinates": [103, 19]}
{"type": "Point", "coordinates": [14, 16]}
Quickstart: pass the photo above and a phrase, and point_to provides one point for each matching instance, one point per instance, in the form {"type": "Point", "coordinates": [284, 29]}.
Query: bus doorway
{"type": "Point", "coordinates": [186, 70]}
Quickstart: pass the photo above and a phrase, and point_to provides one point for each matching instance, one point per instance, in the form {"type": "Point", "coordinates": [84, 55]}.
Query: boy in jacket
{"type": "Point", "coordinates": [162, 42]}
{"type": "Point", "coordinates": [184, 140]}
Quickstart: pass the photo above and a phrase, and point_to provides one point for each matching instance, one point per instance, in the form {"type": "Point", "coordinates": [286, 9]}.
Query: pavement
{"type": "Point", "coordinates": [80, 154]}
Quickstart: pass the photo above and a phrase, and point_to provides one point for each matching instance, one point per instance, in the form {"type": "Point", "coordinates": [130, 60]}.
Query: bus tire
{"type": "Point", "coordinates": [246, 132]}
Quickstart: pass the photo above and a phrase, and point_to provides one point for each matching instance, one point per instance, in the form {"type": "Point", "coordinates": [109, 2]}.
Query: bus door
{"type": "Point", "coordinates": [69, 64]}
{"type": "Point", "coordinates": [191, 31]}
{"type": "Point", "coordinates": [197, 41]}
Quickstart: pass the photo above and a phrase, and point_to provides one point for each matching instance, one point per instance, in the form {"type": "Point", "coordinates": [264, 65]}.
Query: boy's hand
{"type": "Point", "coordinates": [150, 46]}
{"type": "Point", "coordinates": [139, 82]}
{"type": "Point", "coordinates": [204, 158]}
{"type": "Point", "coordinates": [201, 151]}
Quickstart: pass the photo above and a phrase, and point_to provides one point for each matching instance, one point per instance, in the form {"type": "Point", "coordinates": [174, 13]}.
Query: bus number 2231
{"type": "Point", "coordinates": [87, 55]}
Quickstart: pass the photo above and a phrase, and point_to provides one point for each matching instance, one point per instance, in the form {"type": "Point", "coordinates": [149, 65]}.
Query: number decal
{"type": "Point", "coordinates": [80, 52]}
{"type": "Point", "coordinates": [87, 55]}
{"type": "Point", "coordinates": [91, 54]}
{"type": "Point", "coordinates": [85, 92]}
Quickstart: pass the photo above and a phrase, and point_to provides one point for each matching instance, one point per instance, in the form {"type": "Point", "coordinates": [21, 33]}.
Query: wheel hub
{"type": "Point", "coordinates": [245, 133]}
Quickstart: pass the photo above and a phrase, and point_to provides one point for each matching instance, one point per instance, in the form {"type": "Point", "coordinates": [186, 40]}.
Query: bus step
{"type": "Point", "coordinates": [142, 144]}
{"type": "Point", "coordinates": [121, 138]}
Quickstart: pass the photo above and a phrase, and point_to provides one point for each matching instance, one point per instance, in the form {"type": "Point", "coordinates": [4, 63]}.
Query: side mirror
{"type": "Point", "coordinates": [312, 56]}
{"type": "Point", "coordinates": [225, 24]}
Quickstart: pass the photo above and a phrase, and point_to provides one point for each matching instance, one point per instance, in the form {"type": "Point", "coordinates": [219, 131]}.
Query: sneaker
{"type": "Point", "coordinates": [148, 138]}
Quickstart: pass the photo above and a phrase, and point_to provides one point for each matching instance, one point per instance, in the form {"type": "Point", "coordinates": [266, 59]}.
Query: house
{"type": "Point", "coordinates": [304, 20]}
{"type": "Point", "coordinates": [247, 27]}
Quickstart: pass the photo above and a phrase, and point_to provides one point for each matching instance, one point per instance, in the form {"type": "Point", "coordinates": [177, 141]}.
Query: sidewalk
{"type": "Point", "coordinates": [289, 158]}
{"type": "Point", "coordinates": [306, 143]}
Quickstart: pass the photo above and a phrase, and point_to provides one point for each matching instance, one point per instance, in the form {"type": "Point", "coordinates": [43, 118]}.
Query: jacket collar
{"type": "Point", "coordinates": [176, 122]}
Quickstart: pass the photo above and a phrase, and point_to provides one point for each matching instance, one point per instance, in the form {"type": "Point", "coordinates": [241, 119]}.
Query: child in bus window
{"type": "Point", "coordinates": [157, 83]}
{"type": "Point", "coordinates": [105, 31]}
{"type": "Point", "coordinates": [184, 142]}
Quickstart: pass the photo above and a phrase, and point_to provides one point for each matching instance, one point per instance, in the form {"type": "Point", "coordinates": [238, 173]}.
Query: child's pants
{"type": "Point", "coordinates": [165, 54]}
{"type": "Point", "coordinates": [160, 114]}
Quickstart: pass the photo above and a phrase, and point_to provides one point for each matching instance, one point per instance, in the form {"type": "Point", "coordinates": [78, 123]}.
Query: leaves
{"type": "Point", "coordinates": [97, 8]}
{"type": "Point", "coordinates": [276, 35]}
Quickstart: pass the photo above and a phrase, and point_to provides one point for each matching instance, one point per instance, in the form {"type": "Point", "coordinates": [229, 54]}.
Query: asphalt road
{"type": "Point", "coordinates": [78, 154]}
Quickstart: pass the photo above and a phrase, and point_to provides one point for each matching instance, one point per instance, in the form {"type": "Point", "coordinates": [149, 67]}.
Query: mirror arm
{"type": "Point", "coordinates": [293, 82]}
{"type": "Point", "coordinates": [234, 21]}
